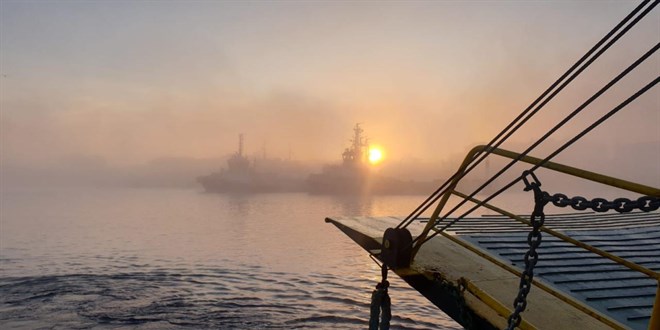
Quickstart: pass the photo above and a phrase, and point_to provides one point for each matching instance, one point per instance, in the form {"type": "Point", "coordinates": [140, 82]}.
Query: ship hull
{"type": "Point", "coordinates": [219, 183]}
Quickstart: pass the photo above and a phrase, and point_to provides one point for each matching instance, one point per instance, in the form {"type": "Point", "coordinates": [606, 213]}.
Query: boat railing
{"type": "Point", "coordinates": [442, 219]}
{"type": "Point", "coordinates": [435, 218]}
{"type": "Point", "coordinates": [434, 221]}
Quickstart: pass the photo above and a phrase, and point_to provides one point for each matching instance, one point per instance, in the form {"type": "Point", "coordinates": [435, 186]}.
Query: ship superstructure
{"type": "Point", "coordinates": [355, 176]}
{"type": "Point", "coordinates": [242, 176]}
{"type": "Point", "coordinates": [356, 155]}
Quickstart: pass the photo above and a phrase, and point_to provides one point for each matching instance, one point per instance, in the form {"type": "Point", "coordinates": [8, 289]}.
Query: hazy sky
{"type": "Point", "coordinates": [129, 81]}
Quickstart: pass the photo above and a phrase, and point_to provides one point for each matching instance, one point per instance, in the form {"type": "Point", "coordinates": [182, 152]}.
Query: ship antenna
{"type": "Point", "coordinates": [358, 142]}
{"type": "Point", "coordinates": [263, 150]}
{"type": "Point", "coordinates": [240, 144]}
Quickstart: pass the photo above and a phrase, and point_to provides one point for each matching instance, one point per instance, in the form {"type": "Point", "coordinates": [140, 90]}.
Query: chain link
{"type": "Point", "coordinates": [541, 198]}
{"type": "Point", "coordinates": [621, 205]}
{"type": "Point", "coordinates": [457, 291]}
{"type": "Point", "coordinates": [531, 257]}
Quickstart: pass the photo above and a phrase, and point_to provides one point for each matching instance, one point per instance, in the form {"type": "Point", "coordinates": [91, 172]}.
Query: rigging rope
{"type": "Point", "coordinates": [493, 144]}
{"type": "Point", "coordinates": [555, 128]}
{"type": "Point", "coordinates": [380, 304]}
{"type": "Point", "coordinates": [553, 154]}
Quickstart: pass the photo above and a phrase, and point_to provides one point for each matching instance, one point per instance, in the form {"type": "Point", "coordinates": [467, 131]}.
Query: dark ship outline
{"type": "Point", "coordinates": [353, 176]}
{"type": "Point", "coordinates": [241, 176]}
{"type": "Point", "coordinates": [356, 176]}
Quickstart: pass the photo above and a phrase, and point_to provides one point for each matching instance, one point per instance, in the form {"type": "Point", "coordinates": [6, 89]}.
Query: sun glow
{"type": "Point", "coordinates": [375, 155]}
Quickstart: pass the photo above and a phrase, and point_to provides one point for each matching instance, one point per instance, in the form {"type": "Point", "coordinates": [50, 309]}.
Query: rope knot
{"type": "Point", "coordinates": [380, 302]}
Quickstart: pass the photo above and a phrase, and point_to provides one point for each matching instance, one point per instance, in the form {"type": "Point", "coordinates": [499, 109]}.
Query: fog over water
{"type": "Point", "coordinates": [99, 98]}
{"type": "Point", "coordinates": [157, 92]}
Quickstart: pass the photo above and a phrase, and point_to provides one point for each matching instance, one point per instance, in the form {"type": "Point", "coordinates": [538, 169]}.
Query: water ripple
{"type": "Point", "coordinates": [211, 298]}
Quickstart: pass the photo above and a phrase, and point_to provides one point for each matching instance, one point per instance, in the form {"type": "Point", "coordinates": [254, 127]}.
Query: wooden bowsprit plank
{"type": "Point", "coordinates": [445, 261]}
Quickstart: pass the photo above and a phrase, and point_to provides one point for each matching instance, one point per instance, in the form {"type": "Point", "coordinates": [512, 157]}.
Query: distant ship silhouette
{"type": "Point", "coordinates": [353, 176]}
{"type": "Point", "coordinates": [241, 176]}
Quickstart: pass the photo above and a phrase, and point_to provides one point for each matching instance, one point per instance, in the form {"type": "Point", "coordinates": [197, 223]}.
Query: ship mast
{"type": "Point", "coordinates": [240, 144]}
{"type": "Point", "coordinates": [356, 154]}
{"type": "Point", "coordinates": [357, 139]}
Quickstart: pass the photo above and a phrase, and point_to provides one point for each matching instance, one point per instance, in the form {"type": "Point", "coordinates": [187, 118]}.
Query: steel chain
{"type": "Point", "coordinates": [541, 198]}
{"type": "Point", "coordinates": [621, 205]}
{"type": "Point", "coordinates": [531, 257]}
{"type": "Point", "coordinates": [457, 291]}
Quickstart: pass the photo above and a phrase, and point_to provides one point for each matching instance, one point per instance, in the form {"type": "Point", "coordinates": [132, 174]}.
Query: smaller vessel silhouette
{"type": "Point", "coordinates": [242, 176]}
{"type": "Point", "coordinates": [355, 176]}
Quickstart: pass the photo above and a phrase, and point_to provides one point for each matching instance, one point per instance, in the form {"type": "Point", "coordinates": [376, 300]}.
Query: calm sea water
{"type": "Point", "coordinates": [171, 259]}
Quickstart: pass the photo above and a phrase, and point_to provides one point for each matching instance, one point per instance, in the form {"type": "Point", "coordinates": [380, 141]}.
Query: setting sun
{"type": "Point", "coordinates": [375, 155]}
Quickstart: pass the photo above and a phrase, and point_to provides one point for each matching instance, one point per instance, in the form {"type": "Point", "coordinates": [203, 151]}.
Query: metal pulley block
{"type": "Point", "coordinates": [397, 248]}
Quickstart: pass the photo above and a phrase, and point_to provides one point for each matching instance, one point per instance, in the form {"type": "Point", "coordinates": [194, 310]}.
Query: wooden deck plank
{"type": "Point", "coordinates": [452, 261]}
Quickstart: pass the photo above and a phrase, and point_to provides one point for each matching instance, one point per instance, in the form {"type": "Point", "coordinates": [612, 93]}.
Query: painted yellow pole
{"type": "Point", "coordinates": [654, 324]}
{"type": "Point", "coordinates": [604, 179]}
{"type": "Point", "coordinates": [443, 200]}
